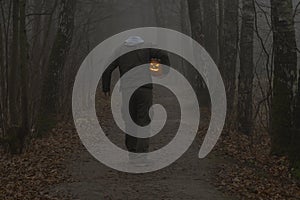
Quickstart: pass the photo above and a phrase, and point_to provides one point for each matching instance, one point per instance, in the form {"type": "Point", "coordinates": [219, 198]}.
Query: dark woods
{"type": "Point", "coordinates": [253, 42]}
{"type": "Point", "coordinates": [30, 72]}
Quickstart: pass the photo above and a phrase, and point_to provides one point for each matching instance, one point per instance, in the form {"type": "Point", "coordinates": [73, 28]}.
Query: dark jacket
{"type": "Point", "coordinates": [133, 59]}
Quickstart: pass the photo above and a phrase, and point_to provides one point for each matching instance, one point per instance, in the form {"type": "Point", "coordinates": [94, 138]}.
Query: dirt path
{"type": "Point", "coordinates": [182, 180]}
{"type": "Point", "coordinates": [187, 178]}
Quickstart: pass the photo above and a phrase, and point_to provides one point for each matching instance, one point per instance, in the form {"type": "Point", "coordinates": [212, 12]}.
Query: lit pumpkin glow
{"type": "Point", "coordinates": [155, 65]}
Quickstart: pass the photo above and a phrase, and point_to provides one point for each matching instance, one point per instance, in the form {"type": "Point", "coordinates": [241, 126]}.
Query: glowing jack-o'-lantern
{"type": "Point", "coordinates": [155, 67]}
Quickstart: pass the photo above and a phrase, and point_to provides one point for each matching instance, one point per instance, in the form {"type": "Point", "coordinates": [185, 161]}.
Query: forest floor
{"type": "Point", "coordinates": [187, 178]}
{"type": "Point", "coordinates": [59, 167]}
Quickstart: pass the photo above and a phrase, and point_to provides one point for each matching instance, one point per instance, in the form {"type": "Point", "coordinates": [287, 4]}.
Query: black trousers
{"type": "Point", "coordinates": [139, 105]}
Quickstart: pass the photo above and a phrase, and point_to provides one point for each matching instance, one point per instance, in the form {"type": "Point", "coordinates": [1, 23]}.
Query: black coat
{"type": "Point", "coordinates": [130, 60]}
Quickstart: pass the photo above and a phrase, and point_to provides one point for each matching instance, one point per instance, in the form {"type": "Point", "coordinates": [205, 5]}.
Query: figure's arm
{"type": "Point", "coordinates": [106, 77]}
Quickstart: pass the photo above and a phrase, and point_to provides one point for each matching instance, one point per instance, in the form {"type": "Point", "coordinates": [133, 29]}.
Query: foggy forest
{"type": "Point", "coordinates": [255, 45]}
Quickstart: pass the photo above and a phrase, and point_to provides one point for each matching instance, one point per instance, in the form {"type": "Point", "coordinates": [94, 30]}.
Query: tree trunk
{"type": "Point", "coordinates": [210, 28]}
{"type": "Point", "coordinates": [221, 30]}
{"type": "Point", "coordinates": [24, 68]}
{"type": "Point", "coordinates": [186, 29]}
{"type": "Point", "coordinates": [62, 44]}
{"type": "Point", "coordinates": [195, 14]}
{"type": "Point", "coordinates": [285, 75]}
{"type": "Point", "coordinates": [158, 9]}
{"type": "Point", "coordinates": [246, 75]}
{"type": "Point", "coordinates": [295, 146]}
{"type": "Point", "coordinates": [3, 85]}
{"type": "Point", "coordinates": [14, 66]}
{"type": "Point", "coordinates": [229, 50]}
{"type": "Point", "coordinates": [2, 72]}
{"type": "Point", "coordinates": [196, 20]}
{"type": "Point", "coordinates": [185, 20]}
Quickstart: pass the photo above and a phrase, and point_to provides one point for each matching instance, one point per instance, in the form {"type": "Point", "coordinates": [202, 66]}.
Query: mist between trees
{"type": "Point", "coordinates": [255, 44]}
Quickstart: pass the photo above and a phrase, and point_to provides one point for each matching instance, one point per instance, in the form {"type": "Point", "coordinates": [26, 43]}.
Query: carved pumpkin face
{"type": "Point", "coordinates": [155, 67]}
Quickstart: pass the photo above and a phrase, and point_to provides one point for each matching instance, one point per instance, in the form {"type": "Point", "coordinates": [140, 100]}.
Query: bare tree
{"type": "Point", "coordinates": [221, 30]}
{"type": "Point", "coordinates": [14, 66]}
{"type": "Point", "coordinates": [229, 48]}
{"type": "Point", "coordinates": [2, 82]}
{"type": "Point", "coordinates": [285, 76]}
{"type": "Point", "coordinates": [24, 72]}
{"type": "Point", "coordinates": [210, 28]}
{"type": "Point", "coordinates": [295, 146]}
{"type": "Point", "coordinates": [246, 75]}
{"type": "Point", "coordinates": [59, 53]}
{"type": "Point", "coordinates": [195, 13]}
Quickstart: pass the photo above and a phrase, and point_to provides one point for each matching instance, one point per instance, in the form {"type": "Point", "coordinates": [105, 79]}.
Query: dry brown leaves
{"type": "Point", "coordinates": [31, 175]}
{"type": "Point", "coordinates": [251, 172]}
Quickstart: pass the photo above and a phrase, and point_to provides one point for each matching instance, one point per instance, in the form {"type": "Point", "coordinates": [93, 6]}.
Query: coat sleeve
{"type": "Point", "coordinates": [106, 77]}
